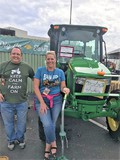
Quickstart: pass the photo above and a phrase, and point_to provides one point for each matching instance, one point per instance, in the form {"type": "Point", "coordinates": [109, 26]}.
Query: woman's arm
{"type": "Point", "coordinates": [64, 89]}
{"type": "Point", "coordinates": [43, 107]}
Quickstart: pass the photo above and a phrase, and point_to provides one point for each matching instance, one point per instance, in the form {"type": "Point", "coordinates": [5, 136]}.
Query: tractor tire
{"type": "Point", "coordinates": [113, 125]}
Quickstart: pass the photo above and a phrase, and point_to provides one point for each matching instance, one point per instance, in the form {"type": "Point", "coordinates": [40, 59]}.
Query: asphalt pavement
{"type": "Point", "coordinates": [86, 141]}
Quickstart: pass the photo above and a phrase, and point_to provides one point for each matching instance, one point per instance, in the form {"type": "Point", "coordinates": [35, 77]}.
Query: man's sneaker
{"type": "Point", "coordinates": [11, 146]}
{"type": "Point", "coordinates": [22, 145]}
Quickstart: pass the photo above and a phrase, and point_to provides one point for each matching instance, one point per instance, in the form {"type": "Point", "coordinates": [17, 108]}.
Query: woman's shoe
{"type": "Point", "coordinates": [48, 153]}
{"type": "Point", "coordinates": [53, 154]}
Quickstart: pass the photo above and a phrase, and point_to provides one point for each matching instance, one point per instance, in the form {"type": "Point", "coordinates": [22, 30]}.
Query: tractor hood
{"type": "Point", "coordinates": [87, 65]}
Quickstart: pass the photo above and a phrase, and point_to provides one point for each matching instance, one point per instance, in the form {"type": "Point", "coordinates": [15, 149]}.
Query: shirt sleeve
{"type": "Point", "coordinates": [38, 73]}
{"type": "Point", "coordinates": [31, 73]}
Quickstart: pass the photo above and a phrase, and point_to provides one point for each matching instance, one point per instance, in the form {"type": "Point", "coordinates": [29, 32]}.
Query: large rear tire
{"type": "Point", "coordinates": [113, 125]}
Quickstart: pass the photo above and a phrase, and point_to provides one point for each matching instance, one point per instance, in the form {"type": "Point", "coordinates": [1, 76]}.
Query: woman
{"type": "Point", "coordinates": [49, 81]}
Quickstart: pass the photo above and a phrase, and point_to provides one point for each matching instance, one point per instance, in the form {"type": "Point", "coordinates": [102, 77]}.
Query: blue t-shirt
{"type": "Point", "coordinates": [50, 79]}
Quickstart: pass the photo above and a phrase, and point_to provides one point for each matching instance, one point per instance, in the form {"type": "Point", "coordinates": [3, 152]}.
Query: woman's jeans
{"type": "Point", "coordinates": [49, 119]}
{"type": "Point", "coordinates": [8, 112]}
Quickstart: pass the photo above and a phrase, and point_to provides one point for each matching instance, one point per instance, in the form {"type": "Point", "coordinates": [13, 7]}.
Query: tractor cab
{"type": "Point", "coordinates": [76, 41]}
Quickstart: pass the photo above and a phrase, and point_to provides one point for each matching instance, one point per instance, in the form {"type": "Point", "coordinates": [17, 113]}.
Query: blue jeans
{"type": "Point", "coordinates": [49, 119]}
{"type": "Point", "coordinates": [8, 111]}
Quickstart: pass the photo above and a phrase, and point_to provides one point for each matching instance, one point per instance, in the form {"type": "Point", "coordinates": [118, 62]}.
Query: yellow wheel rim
{"type": "Point", "coordinates": [114, 125]}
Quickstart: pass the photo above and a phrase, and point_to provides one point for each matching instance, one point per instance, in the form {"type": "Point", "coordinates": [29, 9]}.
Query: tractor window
{"type": "Point", "coordinates": [85, 41]}
{"type": "Point", "coordinates": [89, 49]}
{"type": "Point", "coordinates": [65, 53]}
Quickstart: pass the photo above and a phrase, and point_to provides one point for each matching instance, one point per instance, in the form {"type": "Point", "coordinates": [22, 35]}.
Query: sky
{"type": "Point", "coordinates": [36, 16]}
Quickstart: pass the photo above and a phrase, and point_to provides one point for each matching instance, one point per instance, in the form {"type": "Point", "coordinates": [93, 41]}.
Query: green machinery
{"type": "Point", "coordinates": [80, 52]}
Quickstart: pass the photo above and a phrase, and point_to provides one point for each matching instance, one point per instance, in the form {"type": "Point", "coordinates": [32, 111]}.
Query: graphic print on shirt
{"type": "Point", "coordinates": [15, 71]}
{"type": "Point", "coordinates": [15, 81]}
{"type": "Point", "coordinates": [50, 80]}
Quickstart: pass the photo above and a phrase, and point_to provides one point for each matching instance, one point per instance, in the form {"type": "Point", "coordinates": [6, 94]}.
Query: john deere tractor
{"type": "Point", "coordinates": [80, 52]}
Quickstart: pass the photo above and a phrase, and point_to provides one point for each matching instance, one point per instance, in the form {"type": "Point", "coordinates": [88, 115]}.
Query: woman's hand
{"type": "Point", "coordinates": [66, 90]}
{"type": "Point", "coordinates": [43, 108]}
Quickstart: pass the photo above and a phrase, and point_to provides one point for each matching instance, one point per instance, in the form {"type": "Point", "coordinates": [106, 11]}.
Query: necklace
{"type": "Point", "coordinates": [50, 74]}
{"type": "Point", "coordinates": [48, 83]}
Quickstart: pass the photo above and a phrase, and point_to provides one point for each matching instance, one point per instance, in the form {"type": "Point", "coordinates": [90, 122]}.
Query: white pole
{"type": "Point", "coordinates": [70, 11]}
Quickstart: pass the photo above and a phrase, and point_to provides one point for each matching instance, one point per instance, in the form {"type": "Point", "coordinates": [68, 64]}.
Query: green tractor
{"type": "Point", "coordinates": [80, 52]}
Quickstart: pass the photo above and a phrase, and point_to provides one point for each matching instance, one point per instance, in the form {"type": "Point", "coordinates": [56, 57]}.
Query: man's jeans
{"type": "Point", "coordinates": [49, 119]}
{"type": "Point", "coordinates": [8, 111]}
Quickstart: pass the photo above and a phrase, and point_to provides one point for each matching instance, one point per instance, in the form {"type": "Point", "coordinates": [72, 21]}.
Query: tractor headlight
{"type": "Point", "coordinates": [63, 29]}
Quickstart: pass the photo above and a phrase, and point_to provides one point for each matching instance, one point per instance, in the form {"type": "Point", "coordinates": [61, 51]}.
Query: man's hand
{"type": "Point", "coordinates": [1, 97]}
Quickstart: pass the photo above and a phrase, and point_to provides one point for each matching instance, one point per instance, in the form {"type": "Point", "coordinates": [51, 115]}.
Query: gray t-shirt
{"type": "Point", "coordinates": [13, 81]}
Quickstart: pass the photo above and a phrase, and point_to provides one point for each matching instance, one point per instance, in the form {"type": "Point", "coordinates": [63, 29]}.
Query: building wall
{"type": "Point", "coordinates": [23, 34]}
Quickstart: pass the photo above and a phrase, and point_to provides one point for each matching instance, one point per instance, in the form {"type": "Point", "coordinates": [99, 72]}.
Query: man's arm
{"type": "Point", "coordinates": [1, 97]}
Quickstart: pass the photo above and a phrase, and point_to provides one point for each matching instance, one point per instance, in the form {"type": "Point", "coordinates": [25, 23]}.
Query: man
{"type": "Point", "coordinates": [13, 99]}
